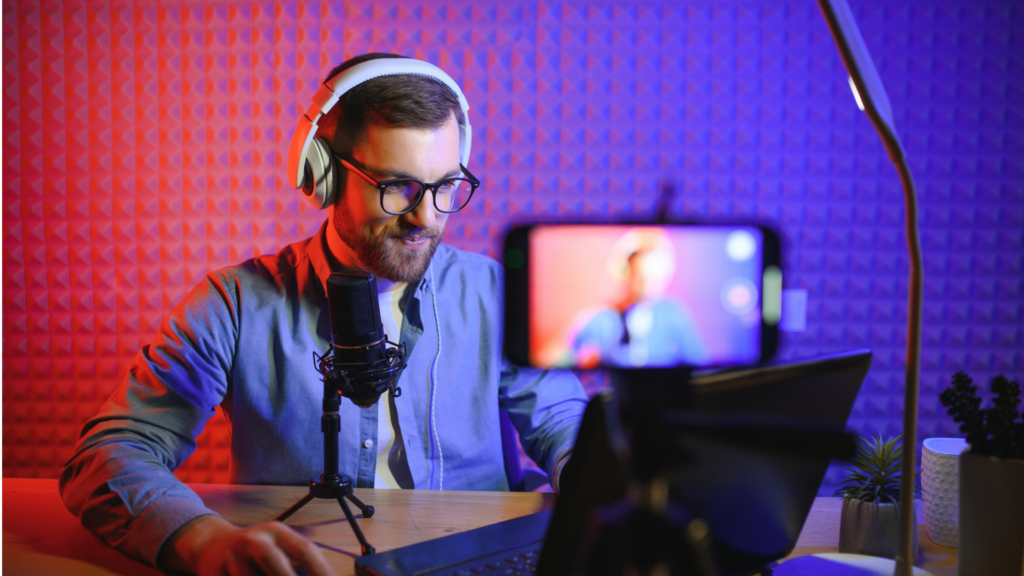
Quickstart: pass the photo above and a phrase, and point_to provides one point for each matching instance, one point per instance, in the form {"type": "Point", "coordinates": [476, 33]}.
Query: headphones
{"type": "Point", "coordinates": [310, 159]}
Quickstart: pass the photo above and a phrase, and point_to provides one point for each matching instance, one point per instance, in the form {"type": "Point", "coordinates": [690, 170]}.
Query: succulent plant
{"type": "Point", "coordinates": [875, 472]}
{"type": "Point", "coordinates": [996, 431]}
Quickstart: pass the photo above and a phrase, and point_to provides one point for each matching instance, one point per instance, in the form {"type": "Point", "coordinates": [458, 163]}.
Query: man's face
{"type": "Point", "coordinates": [650, 273]}
{"type": "Point", "coordinates": [637, 280]}
{"type": "Point", "coordinates": [397, 248]}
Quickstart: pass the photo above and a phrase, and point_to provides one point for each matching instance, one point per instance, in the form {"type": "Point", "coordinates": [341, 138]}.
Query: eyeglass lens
{"type": "Point", "coordinates": [451, 195]}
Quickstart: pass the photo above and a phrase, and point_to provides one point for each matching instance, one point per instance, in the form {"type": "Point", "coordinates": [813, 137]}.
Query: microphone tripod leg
{"type": "Point", "coordinates": [295, 508]}
{"type": "Point", "coordinates": [367, 549]}
{"type": "Point", "coordinates": [365, 509]}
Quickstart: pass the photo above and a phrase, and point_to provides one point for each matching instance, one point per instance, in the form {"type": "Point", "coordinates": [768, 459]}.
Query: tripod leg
{"type": "Point", "coordinates": [367, 549]}
{"type": "Point", "coordinates": [295, 508]}
{"type": "Point", "coordinates": [365, 509]}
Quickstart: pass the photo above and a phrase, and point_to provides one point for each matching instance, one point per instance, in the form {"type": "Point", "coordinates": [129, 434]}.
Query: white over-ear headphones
{"type": "Point", "coordinates": [310, 157]}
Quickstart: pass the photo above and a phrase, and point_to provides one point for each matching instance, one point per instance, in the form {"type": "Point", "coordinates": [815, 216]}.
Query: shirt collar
{"type": "Point", "coordinates": [318, 256]}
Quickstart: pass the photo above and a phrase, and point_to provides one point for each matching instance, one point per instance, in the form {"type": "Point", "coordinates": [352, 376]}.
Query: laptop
{"type": "Point", "coordinates": [753, 494]}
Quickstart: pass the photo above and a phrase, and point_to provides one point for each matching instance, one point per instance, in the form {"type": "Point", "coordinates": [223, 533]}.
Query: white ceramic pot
{"type": "Point", "coordinates": [991, 517]}
{"type": "Point", "coordinates": [940, 488]}
{"type": "Point", "coordinates": [872, 529]}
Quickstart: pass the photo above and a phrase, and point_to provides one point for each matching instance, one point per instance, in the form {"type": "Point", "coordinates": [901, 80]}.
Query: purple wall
{"type": "Point", "coordinates": [144, 146]}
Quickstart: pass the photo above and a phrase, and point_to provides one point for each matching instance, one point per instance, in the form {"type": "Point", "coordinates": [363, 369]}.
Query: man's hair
{"type": "Point", "coordinates": [398, 100]}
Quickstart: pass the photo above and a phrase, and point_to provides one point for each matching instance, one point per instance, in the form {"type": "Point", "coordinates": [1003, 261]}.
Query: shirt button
{"type": "Point", "coordinates": [368, 443]}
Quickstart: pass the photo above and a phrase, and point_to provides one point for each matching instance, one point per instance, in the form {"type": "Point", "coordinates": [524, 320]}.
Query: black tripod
{"type": "Point", "coordinates": [333, 486]}
{"type": "Point", "coordinates": [640, 436]}
{"type": "Point", "coordinates": [362, 383]}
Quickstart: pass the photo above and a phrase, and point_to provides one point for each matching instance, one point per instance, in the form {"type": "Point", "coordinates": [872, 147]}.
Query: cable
{"type": "Point", "coordinates": [433, 377]}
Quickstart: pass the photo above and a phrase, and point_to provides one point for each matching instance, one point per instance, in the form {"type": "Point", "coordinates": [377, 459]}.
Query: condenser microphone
{"type": "Point", "coordinates": [356, 330]}
{"type": "Point", "coordinates": [361, 363]}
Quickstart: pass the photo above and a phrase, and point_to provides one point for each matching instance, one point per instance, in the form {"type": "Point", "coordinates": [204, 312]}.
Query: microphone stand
{"type": "Point", "coordinates": [332, 485]}
{"type": "Point", "coordinates": [339, 382]}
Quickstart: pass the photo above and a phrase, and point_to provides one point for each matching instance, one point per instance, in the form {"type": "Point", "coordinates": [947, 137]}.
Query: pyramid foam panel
{"type": "Point", "coordinates": [144, 145]}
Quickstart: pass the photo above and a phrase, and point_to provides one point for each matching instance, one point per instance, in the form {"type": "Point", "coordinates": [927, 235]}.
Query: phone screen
{"type": "Point", "coordinates": [636, 296]}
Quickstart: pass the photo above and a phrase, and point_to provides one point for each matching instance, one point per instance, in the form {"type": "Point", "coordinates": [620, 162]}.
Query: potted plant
{"type": "Point", "coordinates": [991, 541]}
{"type": "Point", "coordinates": [870, 522]}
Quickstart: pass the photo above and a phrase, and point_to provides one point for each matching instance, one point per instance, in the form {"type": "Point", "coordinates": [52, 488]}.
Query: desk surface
{"type": "Point", "coordinates": [41, 538]}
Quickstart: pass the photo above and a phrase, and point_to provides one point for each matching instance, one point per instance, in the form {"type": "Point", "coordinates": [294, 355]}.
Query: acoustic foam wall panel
{"type": "Point", "coordinates": [144, 145]}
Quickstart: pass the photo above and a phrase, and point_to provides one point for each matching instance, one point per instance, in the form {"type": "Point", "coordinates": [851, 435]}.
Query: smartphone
{"type": "Point", "coordinates": [641, 296]}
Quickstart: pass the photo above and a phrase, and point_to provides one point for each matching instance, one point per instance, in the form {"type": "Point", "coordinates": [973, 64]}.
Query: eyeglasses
{"type": "Point", "coordinates": [403, 195]}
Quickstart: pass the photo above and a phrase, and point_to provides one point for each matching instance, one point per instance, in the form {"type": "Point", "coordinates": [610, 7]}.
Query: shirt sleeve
{"type": "Point", "coordinates": [119, 481]}
{"type": "Point", "coordinates": [546, 407]}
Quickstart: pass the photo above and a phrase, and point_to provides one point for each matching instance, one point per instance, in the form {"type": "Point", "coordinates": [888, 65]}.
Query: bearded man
{"type": "Point", "coordinates": [243, 339]}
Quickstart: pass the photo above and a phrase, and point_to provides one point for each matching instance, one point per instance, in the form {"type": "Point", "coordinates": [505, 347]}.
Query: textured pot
{"type": "Point", "coordinates": [940, 488]}
{"type": "Point", "coordinates": [991, 517]}
{"type": "Point", "coordinates": [871, 529]}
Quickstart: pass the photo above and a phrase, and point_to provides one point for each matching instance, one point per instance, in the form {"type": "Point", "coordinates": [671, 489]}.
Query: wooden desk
{"type": "Point", "coordinates": [821, 535]}
{"type": "Point", "coordinates": [41, 538]}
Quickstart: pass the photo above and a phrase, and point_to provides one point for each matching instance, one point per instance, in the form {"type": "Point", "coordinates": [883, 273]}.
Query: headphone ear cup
{"type": "Point", "coordinates": [319, 183]}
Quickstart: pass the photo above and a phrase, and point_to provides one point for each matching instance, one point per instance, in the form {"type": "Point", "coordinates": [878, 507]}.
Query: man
{"type": "Point", "coordinates": [243, 340]}
{"type": "Point", "coordinates": [646, 328]}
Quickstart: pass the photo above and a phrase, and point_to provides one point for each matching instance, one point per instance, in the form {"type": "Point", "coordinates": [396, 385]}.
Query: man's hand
{"type": "Point", "coordinates": [212, 545]}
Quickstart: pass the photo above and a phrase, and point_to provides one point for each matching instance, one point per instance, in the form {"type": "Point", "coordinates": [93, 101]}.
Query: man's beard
{"type": "Point", "coordinates": [383, 254]}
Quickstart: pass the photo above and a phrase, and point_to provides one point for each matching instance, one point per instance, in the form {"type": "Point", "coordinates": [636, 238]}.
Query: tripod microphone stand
{"type": "Point", "coordinates": [340, 382]}
{"type": "Point", "coordinates": [332, 485]}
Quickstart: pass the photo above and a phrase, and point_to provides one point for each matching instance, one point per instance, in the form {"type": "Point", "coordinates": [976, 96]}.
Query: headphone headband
{"type": "Point", "coordinates": [333, 89]}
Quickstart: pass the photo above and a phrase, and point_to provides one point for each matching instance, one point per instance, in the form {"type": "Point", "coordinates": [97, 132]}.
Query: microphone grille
{"type": "Point", "coordinates": [355, 313]}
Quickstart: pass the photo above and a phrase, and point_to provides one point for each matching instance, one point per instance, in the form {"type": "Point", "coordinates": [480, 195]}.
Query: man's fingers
{"type": "Point", "coordinates": [305, 554]}
{"type": "Point", "coordinates": [270, 549]}
{"type": "Point", "coordinates": [272, 561]}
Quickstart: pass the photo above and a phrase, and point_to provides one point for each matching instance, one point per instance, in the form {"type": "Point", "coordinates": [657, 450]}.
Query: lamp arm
{"type": "Point", "coordinates": [871, 95]}
{"type": "Point", "coordinates": [911, 389]}
{"type": "Point", "coordinates": [905, 558]}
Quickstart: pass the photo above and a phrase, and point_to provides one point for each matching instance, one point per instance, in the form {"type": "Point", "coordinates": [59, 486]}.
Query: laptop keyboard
{"type": "Point", "coordinates": [509, 548]}
{"type": "Point", "coordinates": [520, 561]}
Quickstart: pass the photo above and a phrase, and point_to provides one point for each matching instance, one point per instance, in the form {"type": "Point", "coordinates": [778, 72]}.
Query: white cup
{"type": "Point", "coordinates": [940, 488]}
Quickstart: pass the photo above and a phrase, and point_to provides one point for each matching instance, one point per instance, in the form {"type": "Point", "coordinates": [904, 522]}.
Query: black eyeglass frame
{"type": "Point", "coordinates": [381, 186]}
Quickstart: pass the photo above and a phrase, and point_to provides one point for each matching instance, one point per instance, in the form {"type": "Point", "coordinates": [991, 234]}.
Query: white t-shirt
{"type": "Point", "coordinates": [391, 317]}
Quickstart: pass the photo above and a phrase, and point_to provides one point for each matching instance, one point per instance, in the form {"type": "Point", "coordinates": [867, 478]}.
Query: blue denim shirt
{"type": "Point", "coordinates": [244, 339]}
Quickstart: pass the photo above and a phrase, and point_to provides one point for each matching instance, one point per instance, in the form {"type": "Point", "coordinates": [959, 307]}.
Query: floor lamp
{"type": "Point", "coordinates": [872, 99]}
